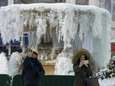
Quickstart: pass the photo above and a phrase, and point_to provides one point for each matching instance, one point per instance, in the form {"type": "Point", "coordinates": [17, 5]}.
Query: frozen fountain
{"type": "Point", "coordinates": [62, 26]}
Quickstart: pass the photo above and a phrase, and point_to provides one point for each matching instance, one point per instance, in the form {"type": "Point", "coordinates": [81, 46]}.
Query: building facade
{"type": "Point", "coordinates": [38, 1]}
{"type": "Point", "coordinates": [3, 2]}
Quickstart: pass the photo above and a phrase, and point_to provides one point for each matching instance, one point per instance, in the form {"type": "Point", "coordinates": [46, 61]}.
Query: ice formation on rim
{"type": "Point", "coordinates": [90, 24]}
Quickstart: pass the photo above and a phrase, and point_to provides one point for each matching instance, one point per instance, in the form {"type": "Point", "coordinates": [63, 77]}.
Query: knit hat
{"type": "Point", "coordinates": [34, 50]}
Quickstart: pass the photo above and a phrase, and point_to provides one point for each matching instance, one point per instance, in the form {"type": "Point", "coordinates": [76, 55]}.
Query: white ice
{"type": "Point", "coordinates": [63, 65]}
{"type": "Point", "coordinates": [107, 82]}
{"type": "Point", "coordinates": [3, 64]}
{"type": "Point", "coordinates": [67, 19]}
{"type": "Point", "coordinates": [14, 64]}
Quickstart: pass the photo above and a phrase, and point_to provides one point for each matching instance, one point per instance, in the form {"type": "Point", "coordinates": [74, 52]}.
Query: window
{"type": "Point", "coordinates": [108, 5]}
{"type": "Point", "coordinates": [3, 2]}
{"type": "Point", "coordinates": [82, 2]}
{"type": "Point", "coordinates": [38, 1]}
{"type": "Point", "coordinates": [25, 39]}
{"type": "Point", "coordinates": [60, 0]}
{"type": "Point", "coordinates": [113, 10]}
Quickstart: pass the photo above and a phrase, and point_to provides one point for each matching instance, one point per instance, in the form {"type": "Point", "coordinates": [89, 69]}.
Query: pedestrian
{"type": "Point", "coordinates": [84, 69]}
{"type": "Point", "coordinates": [32, 70]}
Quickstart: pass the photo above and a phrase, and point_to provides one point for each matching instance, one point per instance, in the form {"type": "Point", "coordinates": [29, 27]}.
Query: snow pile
{"type": "Point", "coordinates": [3, 64]}
{"type": "Point", "coordinates": [90, 24]}
{"type": "Point", "coordinates": [107, 82]}
{"type": "Point", "coordinates": [63, 65]}
{"type": "Point", "coordinates": [14, 64]}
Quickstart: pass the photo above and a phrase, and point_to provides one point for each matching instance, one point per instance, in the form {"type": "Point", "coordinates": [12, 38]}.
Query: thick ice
{"type": "Point", "coordinates": [107, 82]}
{"type": "Point", "coordinates": [14, 64]}
{"type": "Point", "coordinates": [3, 64]}
{"type": "Point", "coordinates": [91, 24]}
{"type": "Point", "coordinates": [63, 65]}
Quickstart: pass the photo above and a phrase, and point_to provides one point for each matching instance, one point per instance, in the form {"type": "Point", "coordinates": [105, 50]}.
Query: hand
{"type": "Point", "coordinates": [81, 64]}
{"type": "Point", "coordinates": [86, 62]}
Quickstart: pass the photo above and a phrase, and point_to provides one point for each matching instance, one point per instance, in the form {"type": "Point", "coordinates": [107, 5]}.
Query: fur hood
{"type": "Point", "coordinates": [80, 52]}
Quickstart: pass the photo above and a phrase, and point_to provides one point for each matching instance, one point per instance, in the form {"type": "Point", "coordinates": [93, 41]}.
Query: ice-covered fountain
{"type": "Point", "coordinates": [62, 26]}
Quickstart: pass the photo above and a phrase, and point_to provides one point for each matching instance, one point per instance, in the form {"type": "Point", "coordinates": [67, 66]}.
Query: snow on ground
{"type": "Point", "coordinates": [107, 82]}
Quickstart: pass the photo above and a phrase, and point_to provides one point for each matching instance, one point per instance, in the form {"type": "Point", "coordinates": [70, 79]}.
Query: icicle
{"type": "Point", "coordinates": [63, 65]}
{"type": "Point", "coordinates": [69, 28]}
{"type": "Point", "coordinates": [41, 28]}
{"type": "Point", "coordinates": [97, 26]}
{"type": "Point", "coordinates": [10, 26]}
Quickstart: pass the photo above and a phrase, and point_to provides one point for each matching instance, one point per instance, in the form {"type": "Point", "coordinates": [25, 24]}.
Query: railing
{"type": "Point", "coordinates": [5, 80]}
{"type": "Point", "coordinates": [50, 80]}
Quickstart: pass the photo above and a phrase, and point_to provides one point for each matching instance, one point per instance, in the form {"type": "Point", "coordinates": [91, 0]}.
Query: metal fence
{"type": "Point", "coordinates": [50, 80]}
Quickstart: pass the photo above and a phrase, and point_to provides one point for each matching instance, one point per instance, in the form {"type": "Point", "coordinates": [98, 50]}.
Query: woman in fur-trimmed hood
{"type": "Point", "coordinates": [79, 52]}
{"type": "Point", "coordinates": [81, 66]}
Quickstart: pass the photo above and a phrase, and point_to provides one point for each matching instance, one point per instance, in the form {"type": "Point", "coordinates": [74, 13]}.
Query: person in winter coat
{"type": "Point", "coordinates": [82, 70]}
{"type": "Point", "coordinates": [32, 70]}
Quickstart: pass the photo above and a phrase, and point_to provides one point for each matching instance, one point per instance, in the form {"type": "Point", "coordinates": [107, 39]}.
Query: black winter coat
{"type": "Point", "coordinates": [32, 70]}
{"type": "Point", "coordinates": [81, 74]}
